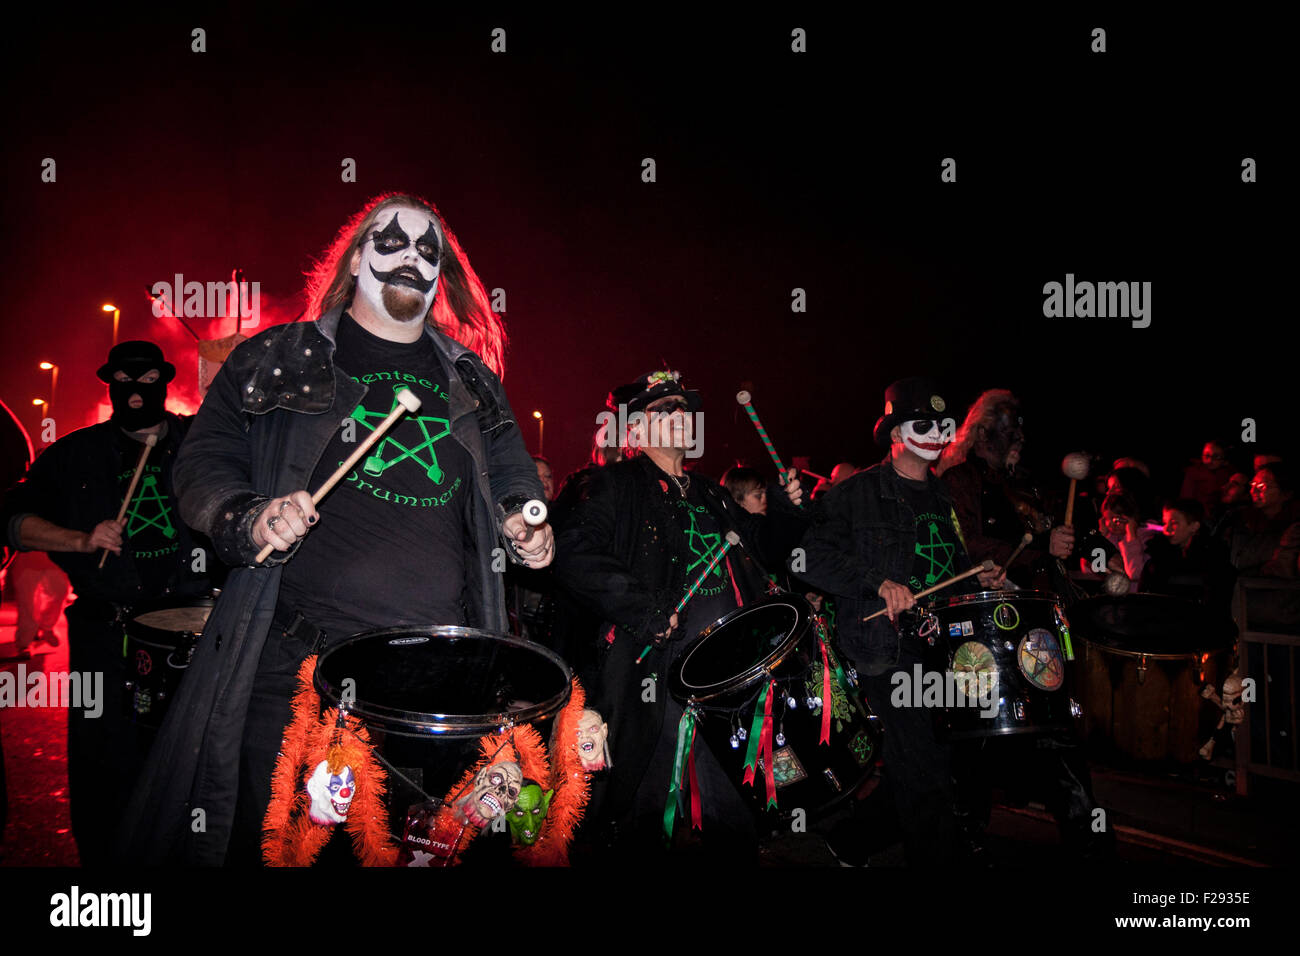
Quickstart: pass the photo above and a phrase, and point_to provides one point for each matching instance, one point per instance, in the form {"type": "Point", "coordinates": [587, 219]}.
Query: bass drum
{"type": "Point", "coordinates": [1009, 659]}
{"type": "Point", "coordinates": [426, 696]}
{"type": "Point", "coordinates": [723, 673]}
{"type": "Point", "coordinates": [1147, 657]}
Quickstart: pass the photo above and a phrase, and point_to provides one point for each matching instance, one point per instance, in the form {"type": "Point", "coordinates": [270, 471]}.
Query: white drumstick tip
{"type": "Point", "coordinates": [406, 398]}
{"type": "Point", "coordinates": [743, 397]}
{"type": "Point", "coordinates": [151, 440]}
{"type": "Point", "coordinates": [535, 512]}
{"type": "Point", "coordinates": [733, 539]}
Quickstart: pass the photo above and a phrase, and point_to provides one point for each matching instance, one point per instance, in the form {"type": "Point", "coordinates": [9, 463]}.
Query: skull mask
{"type": "Point", "coordinates": [526, 816]}
{"type": "Point", "coordinates": [496, 789]}
{"type": "Point", "coordinates": [593, 741]}
{"type": "Point", "coordinates": [1233, 711]}
{"type": "Point", "coordinates": [331, 794]}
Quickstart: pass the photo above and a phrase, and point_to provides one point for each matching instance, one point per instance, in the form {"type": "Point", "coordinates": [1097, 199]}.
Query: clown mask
{"type": "Point", "coordinates": [526, 816]}
{"type": "Point", "coordinates": [397, 264]}
{"type": "Point", "coordinates": [593, 741]}
{"type": "Point", "coordinates": [925, 439]}
{"type": "Point", "coordinates": [496, 790]}
{"type": "Point", "coordinates": [331, 794]}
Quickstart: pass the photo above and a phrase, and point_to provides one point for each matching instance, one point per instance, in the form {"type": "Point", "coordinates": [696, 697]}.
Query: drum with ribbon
{"type": "Point", "coordinates": [1147, 656]}
{"type": "Point", "coordinates": [157, 644]}
{"type": "Point", "coordinates": [428, 699]}
{"type": "Point", "coordinates": [1008, 657]}
{"type": "Point", "coordinates": [777, 708]}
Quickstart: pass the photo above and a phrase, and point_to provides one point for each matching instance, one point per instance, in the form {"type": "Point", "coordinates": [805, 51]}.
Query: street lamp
{"type": "Point", "coordinates": [116, 314]}
{"type": "Point", "coordinates": [54, 380]}
{"type": "Point", "coordinates": [541, 443]}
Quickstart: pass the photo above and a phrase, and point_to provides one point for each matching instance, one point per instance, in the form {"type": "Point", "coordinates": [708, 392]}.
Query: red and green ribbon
{"type": "Point", "coordinates": [826, 693]}
{"type": "Point", "coordinates": [755, 735]}
{"type": "Point", "coordinates": [683, 764]}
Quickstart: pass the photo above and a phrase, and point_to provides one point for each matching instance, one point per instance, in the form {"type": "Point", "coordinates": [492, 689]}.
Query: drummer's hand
{"type": "Point", "coordinates": [672, 626]}
{"type": "Point", "coordinates": [284, 520]}
{"type": "Point", "coordinates": [106, 534]}
{"type": "Point", "coordinates": [898, 598]}
{"type": "Point", "coordinates": [1061, 542]}
{"type": "Point", "coordinates": [793, 490]}
{"type": "Point", "coordinates": [534, 543]}
{"type": "Point", "coordinates": [992, 579]}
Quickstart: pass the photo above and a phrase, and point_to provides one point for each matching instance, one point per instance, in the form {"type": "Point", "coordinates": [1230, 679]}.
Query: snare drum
{"type": "Point", "coordinates": [426, 696]}
{"type": "Point", "coordinates": [159, 641]}
{"type": "Point", "coordinates": [1008, 656]}
{"type": "Point", "coordinates": [723, 672]}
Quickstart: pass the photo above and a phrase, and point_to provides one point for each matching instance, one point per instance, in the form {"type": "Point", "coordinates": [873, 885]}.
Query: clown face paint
{"type": "Point", "coordinates": [593, 741]}
{"type": "Point", "coordinates": [928, 444]}
{"type": "Point", "coordinates": [525, 817]}
{"type": "Point", "coordinates": [331, 794]}
{"type": "Point", "coordinates": [397, 265]}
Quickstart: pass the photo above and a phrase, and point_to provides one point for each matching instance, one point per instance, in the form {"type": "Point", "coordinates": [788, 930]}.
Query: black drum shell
{"type": "Point", "coordinates": [427, 695]}
{"type": "Point", "coordinates": [1023, 708]}
{"type": "Point", "coordinates": [154, 659]}
{"type": "Point", "coordinates": [789, 654]}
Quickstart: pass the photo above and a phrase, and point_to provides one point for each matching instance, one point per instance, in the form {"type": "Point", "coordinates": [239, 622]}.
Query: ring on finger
{"type": "Point", "coordinates": [270, 524]}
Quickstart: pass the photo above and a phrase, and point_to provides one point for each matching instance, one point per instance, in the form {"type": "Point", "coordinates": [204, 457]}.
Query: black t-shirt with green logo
{"type": "Point", "coordinates": [937, 543]}
{"type": "Point", "coordinates": [391, 545]}
{"type": "Point", "coordinates": [716, 596]}
{"type": "Point", "coordinates": [152, 534]}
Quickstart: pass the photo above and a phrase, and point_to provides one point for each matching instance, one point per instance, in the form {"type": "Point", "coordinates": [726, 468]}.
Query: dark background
{"type": "Point", "coordinates": [775, 170]}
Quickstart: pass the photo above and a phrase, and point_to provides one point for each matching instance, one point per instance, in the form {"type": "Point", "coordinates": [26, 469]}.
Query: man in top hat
{"type": "Point", "coordinates": [876, 539]}
{"type": "Point", "coordinates": [631, 548]}
{"type": "Point", "coordinates": [67, 505]}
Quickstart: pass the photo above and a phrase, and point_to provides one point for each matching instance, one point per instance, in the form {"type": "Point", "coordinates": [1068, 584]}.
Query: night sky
{"type": "Point", "coordinates": [775, 170]}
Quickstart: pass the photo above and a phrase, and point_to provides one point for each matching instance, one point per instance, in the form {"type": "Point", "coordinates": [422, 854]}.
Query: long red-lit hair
{"type": "Point", "coordinates": [461, 308]}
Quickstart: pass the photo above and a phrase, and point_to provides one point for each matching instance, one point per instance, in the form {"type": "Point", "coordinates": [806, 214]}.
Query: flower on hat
{"type": "Point", "coordinates": [654, 378]}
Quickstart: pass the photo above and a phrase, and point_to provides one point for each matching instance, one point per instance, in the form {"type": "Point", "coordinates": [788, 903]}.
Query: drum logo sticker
{"type": "Point", "coordinates": [1040, 660]}
{"type": "Point", "coordinates": [862, 748]}
{"type": "Point", "coordinates": [397, 641]}
{"type": "Point", "coordinates": [786, 768]}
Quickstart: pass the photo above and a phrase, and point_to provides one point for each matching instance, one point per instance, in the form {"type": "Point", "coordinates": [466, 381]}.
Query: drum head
{"type": "Point", "coordinates": [1153, 624]}
{"type": "Point", "coordinates": [987, 597]}
{"type": "Point", "coordinates": [740, 649]}
{"type": "Point", "coordinates": [450, 681]}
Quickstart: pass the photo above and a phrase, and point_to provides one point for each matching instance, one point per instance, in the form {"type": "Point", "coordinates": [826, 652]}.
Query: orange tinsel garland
{"type": "Point", "coordinates": [289, 836]}
{"type": "Point", "coordinates": [572, 786]}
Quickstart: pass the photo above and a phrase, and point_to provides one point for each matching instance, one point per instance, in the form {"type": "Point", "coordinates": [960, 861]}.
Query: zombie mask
{"type": "Point", "coordinates": [526, 816]}
{"type": "Point", "coordinates": [593, 741]}
{"type": "Point", "coordinates": [496, 789]}
{"type": "Point", "coordinates": [1233, 711]}
{"type": "Point", "coordinates": [331, 793]}
{"type": "Point", "coordinates": [397, 264]}
{"type": "Point", "coordinates": [923, 438]}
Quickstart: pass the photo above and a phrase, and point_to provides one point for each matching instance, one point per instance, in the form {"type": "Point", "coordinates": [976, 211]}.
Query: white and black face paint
{"type": "Point", "coordinates": [397, 275]}
{"type": "Point", "coordinates": [924, 438]}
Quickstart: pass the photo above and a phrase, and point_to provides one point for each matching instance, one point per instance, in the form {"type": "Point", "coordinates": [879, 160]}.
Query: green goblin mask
{"type": "Point", "coordinates": [526, 816]}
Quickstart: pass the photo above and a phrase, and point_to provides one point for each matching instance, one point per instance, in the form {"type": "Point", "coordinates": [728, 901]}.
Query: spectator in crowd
{"type": "Point", "coordinates": [1265, 538]}
{"type": "Point", "coordinates": [1186, 561]}
{"type": "Point", "coordinates": [747, 489]}
{"type": "Point", "coordinates": [1204, 479]}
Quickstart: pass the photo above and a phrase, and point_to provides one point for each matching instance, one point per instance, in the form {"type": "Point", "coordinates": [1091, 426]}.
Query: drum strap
{"type": "Point", "coordinates": [303, 630]}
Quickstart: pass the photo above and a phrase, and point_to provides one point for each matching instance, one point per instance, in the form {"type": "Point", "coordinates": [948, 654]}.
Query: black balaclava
{"type": "Point", "coordinates": [150, 413]}
{"type": "Point", "coordinates": [134, 359]}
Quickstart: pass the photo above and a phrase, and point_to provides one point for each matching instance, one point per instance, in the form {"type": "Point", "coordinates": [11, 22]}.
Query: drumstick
{"type": "Point", "coordinates": [406, 402]}
{"type": "Point", "coordinates": [1020, 547]}
{"type": "Point", "coordinates": [986, 566]}
{"type": "Point", "coordinates": [732, 539]}
{"type": "Point", "coordinates": [149, 442]}
{"type": "Point", "coordinates": [1075, 466]}
{"type": "Point", "coordinates": [743, 398]}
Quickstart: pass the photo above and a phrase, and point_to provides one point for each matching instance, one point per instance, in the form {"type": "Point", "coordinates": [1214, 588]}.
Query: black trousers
{"type": "Point", "coordinates": [105, 752]}
{"type": "Point", "coordinates": [917, 768]}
